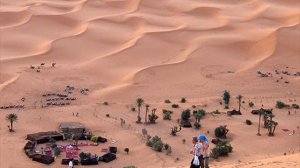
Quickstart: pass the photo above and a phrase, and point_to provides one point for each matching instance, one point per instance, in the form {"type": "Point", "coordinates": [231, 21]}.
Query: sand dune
{"type": "Point", "coordinates": [124, 49]}
{"type": "Point", "coordinates": [14, 19]}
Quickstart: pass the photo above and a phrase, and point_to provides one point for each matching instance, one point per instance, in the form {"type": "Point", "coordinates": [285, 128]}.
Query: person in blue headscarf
{"type": "Point", "coordinates": [204, 152]}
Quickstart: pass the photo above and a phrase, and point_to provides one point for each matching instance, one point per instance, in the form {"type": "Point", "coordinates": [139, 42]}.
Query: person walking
{"type": "Point", "coordinates": [196, 151]}
{"type": "Point", "coordinates": [204, 151]}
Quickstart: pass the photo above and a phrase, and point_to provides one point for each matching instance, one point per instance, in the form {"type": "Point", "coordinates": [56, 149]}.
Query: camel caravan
{"type": "Point", "coordinates": [46, 147]}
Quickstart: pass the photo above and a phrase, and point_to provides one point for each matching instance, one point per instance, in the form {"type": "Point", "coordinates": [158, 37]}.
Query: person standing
{"type": "Point", "coordinates": [71, 164]}
{"type": "Point", "coordinates": [204, 151]}
{"type": "Point", "coordinates": [196, 151]}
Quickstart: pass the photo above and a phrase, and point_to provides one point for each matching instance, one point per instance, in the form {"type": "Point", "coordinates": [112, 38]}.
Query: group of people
{"type": "Point", "coordinates": [200, 152]}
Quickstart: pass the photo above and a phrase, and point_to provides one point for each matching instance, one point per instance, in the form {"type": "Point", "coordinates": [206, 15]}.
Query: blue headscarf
{"type": "Point", "coordinates": [203, 137]}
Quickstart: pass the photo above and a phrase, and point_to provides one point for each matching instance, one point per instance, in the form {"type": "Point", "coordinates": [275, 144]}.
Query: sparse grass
{"type": "Point", "coordinates": [167, 101]}
{"type": "Point", "coordinates": [175, 106]}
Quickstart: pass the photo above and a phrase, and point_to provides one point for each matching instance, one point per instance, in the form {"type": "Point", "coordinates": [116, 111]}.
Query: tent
{"type": "Point", "coordinates": [43, 137]}
{"type": "Point", "coordinates": [72, 127]}
{"type": "Point", "coordinates": [43, 159]}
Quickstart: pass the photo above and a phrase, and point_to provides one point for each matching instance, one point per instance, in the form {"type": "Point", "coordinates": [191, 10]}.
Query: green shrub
{"type": "Point", "coordinates": [251, 104]}
{"type": "Point", "coordinates": [197, 125]}
{"type": "Point", "coordinates": [186, 114]}
{"type": "Point", "coordinates": [126, 150]}
{"type": "Point", "coordinates": [280, 105]}
{"type": "Point", "coordinates": [175, 106]}
{"type": "Point", "coordinates": [221, 150]}
{"type": "Point", "coordinates": [226, 98]}
{"type": "Point", "coordinates": [221, 131]}
{"type": "Point", "coordinates": [248, 122]}
{"type": "Point", "coordinates": [167, 116]}
{"type": "Point", "coordinates": [158, 146]}
{"type": "Point", "coordinates": [295, 106]}
{"type": "Point", "coordinates": [167, 101]}
{"type": "Point", "coordinates": [94, 139]}
{"type": "Point", "coordinates": [105, 103]}
{"type": "Point", "coordinates": [152, 117]}
{"type": "Point", "coordinates": [199, 112]}
{"type": "Point", "coordinates": [183, 100]}
{"type": "Point", "coordinates": [156, 143]}
{"type": "Point", "coordinates": [149, 143]}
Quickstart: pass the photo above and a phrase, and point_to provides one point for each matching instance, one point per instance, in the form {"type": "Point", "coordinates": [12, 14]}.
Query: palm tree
{"type": "Point", "coordinates": [259, 118]}
{"type": "Point", "coordinates": [139, 103]}
{"type": "Point", "coordinates": [147, 108]}
{"type": "Point", "coordinates": [11, 118]}
{"type": "Point", "coordinates": [239, 97]}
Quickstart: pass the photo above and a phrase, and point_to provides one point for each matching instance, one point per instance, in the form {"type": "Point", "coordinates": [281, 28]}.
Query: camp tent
{"type": "Point", "coordinates": [72, 127]}
{"type": "Point", "coordinates": [43, 137]}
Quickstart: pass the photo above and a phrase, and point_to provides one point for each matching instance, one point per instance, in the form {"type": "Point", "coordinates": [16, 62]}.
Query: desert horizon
{"type": "Point", "coordinates": [120, 67]}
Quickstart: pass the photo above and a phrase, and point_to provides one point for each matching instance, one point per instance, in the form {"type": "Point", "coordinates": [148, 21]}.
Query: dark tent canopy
{"type": "Point", "coordinates": [43, 137]}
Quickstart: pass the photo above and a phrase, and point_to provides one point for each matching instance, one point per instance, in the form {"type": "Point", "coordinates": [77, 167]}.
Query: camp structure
{"type": "Point", "coordinates": [262, 111]}
{"type": "Point", "coordinates": [72, 127]}
{"type": "Point", "coordinates": [234, 112]}
{"type": "Point", "coordinates": [43, 137]}
{"type": "Point", "coordinates": [43, 159]}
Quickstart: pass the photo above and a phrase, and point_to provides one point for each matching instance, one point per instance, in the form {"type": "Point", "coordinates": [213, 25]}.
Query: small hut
{"type": "Point", "coordinates": [43, 137]}
{"type": "Point", "coordinates": [72, 127]}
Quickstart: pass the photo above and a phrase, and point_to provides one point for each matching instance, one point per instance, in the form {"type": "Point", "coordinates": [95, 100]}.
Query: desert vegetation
{"type": "Point", "coordinates": [226, 98]}
{"type": "Point", "coordinates": [12, 117]}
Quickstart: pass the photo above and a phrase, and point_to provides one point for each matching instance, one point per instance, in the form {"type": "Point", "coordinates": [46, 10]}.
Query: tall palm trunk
{"type": "Point", "coordinates": [11, 125]}
{"type": "Point", "coordinates": [146, 114]}
{"type": "Point", "coordinates": [139, 111]}
{"type": "Point", "coordinates": [275, 125]}
{"type": "Point", "coordinates": [258, 131]}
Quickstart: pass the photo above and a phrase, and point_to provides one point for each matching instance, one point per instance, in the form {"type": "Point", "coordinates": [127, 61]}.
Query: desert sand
{"type": "Point", "coordinates": [124, 49]}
